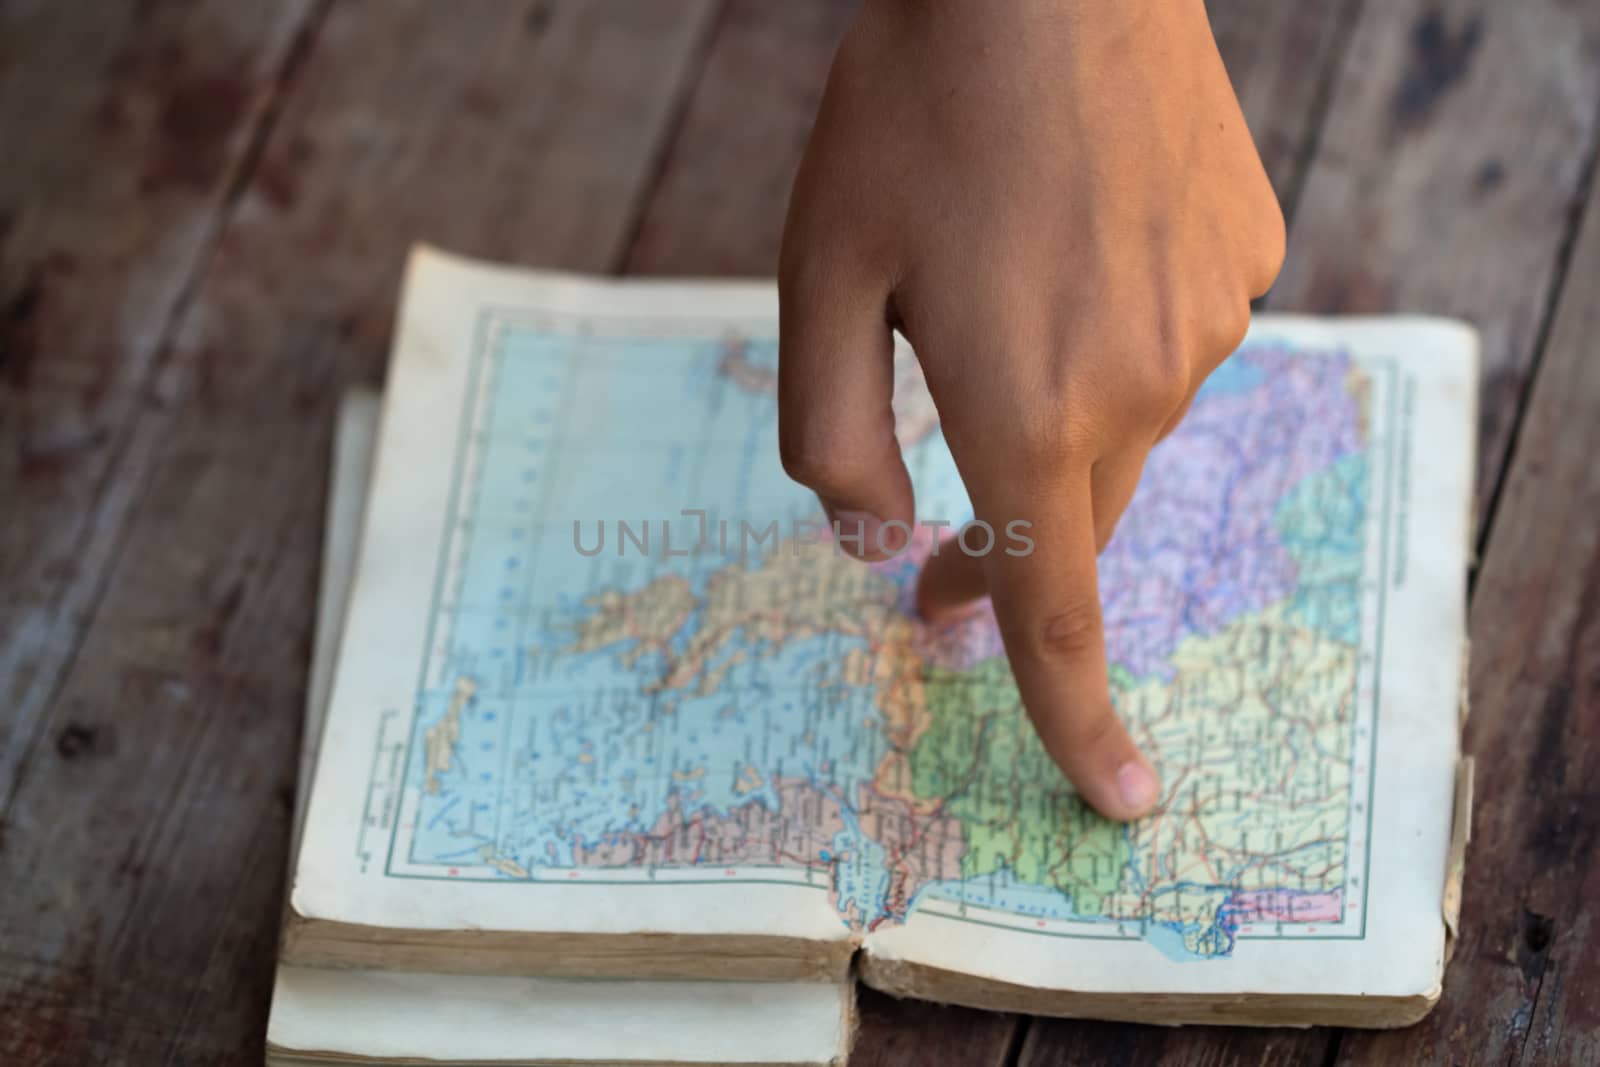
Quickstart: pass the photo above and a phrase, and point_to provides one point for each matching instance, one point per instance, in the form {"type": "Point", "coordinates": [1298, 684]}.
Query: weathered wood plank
{"type": "Point", "coordinates": [122, 129]}
{"type": "Point", "coordinates": [1281, 58]}
{"type": "Point", "coordinates": [912, 1033]}
{"type": "Point", "coordinates": [719, 204]}
{"type": "Point", "coordinates": [1059, 1042]}
{"type": "Point", "coordinates": [143, 853]}
{"type": "Point", "coordinates": [1522, 986]}
{"type": "Point", "coordinates": [1446, 175]}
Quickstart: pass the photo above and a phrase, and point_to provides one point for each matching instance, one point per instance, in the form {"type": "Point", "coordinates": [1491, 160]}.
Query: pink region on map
{"type": "Point", "coordinates": [1278, 905]}
{"type": "Point", "coordinates": [920, 847]}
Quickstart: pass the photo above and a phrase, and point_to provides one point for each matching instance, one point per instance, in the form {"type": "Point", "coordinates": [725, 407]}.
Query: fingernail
{"type": "Point", "coordinates": [863, 532]}
{"type": "Point", "coordinates": [1137, 785]}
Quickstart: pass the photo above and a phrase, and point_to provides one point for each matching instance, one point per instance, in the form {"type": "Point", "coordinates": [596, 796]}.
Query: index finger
{"type": "Point", "coordinates": [1048, 606]}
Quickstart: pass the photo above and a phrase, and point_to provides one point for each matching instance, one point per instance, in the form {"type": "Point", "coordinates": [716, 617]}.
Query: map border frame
{"type": "Point", "coordinates": [490, 317]}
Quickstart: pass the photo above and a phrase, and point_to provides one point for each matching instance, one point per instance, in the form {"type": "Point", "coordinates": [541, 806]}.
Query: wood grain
{"type": "Point", "coordinates": [718, 206]}
{"type": "Point", "coordinates": [1446, 175]}
{"type": "Point", "coordinates": [202, 218]}
{"type": "Point", "coordinates": [911, 1033]}
{"type": "Point", "coordinates": [1059, 1042]}
{"type": "Point", "coordinates": [144, 847]}
{"type": "Point", "coordinates": [1524, 981]}
{"type": "Point", "coordinates": [123, 132]}
{"type": "Point", "coordinates": [1281, 59]}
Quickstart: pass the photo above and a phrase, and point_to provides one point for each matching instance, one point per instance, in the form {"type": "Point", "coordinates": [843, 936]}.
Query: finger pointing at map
{"type": "Point", "coordinates": [1071, 244]}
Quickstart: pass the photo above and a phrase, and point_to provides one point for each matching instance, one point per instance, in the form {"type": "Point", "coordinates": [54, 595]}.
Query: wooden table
{"type": "Point", "coordinates": [203, 211]}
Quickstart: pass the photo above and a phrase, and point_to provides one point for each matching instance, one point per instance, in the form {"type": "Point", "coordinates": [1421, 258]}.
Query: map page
{"type": "Point", "coordinates": [606, 669]}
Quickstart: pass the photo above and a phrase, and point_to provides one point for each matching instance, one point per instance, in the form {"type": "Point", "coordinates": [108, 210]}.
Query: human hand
{"type": "Point", "coordinates": [1059, 204]}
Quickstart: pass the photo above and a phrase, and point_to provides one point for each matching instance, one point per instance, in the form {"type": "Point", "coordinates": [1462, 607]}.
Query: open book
{"type": "Point", "coordinates": [344, 1016]}
{"type": "Point", "coordinates": [610, 704]}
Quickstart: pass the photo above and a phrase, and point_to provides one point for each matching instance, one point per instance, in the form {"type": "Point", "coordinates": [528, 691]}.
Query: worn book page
{"type": "Point", "coordinates": [340, 1015]}
{"type": "Point", "coordinates": [1285, 607]}
{"type": "Point", "coordinates": [321, 1016]}
{"type": "Point", "coordinates": [496, 759]}
{"type": "Point", "coordinates": [604, 676]}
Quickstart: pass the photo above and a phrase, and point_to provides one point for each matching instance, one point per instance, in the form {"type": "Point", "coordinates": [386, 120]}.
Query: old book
{"type": "Point", "coordinates": [609, 702]}
{"type": "Point", "coordinates": [343, 1016]}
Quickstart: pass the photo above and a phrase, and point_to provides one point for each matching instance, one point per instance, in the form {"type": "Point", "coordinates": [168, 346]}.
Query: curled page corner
{"type": "Point", "coordinates": [1455, 865]}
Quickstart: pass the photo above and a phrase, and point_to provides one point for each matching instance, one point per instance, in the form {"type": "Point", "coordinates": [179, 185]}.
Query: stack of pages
{"type": "Point", "coordinates": [611, 756]}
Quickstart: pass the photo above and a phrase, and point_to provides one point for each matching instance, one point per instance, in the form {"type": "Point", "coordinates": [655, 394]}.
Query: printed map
{"type": "Point", "coordinates": [645, 668]}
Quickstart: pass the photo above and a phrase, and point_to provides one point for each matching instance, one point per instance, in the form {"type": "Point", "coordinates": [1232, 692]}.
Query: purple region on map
{"type": "Point", "coordinates": [1200, 534]}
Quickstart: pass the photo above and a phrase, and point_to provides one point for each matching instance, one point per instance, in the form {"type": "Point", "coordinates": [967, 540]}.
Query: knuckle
{"type": "Point", "coordinates": [1072, 632]}
{"type": "Point", "coordinates": [814, 460]}
{"type": "Point", "coordinates": [801, 461]}
{"type": "Point", "coordinates": [1164, 381]}
{"type": "Point", "coordinates": [1040, 443]}
{"type": "Point", "coordinates": [1037, 434]}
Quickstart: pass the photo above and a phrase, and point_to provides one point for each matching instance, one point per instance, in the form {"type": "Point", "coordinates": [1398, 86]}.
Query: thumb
{"type": "Point", "coordinates": [835, 419]}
